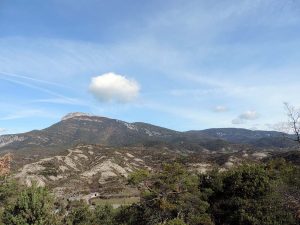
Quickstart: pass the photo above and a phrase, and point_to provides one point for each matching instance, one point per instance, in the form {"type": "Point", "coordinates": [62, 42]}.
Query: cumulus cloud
{"type": "Point", "coordinates": [220, 108]}
{"type": "Point", "coordinates": [248, 115]}
{"type": "Point", "coordinates": [111, 87]}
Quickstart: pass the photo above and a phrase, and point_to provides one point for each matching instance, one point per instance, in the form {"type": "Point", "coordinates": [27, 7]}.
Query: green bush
{"type": "Point", "coordinates": [245, 195]}
{"type": "Point", "coordinates": [34, 206]}
{"type": "Point", "coordinates": [174, 193]}
{"type": "Point", "coordinates": [138, 176]}
{"type": "Point", "coordinates": [176, 222]}
{"type": "Point", "coordinates": [9, 190]}
{"type": "Point", "coordinates": [79, 214]}
{"type": "Point", "coordinates": [104, 215]}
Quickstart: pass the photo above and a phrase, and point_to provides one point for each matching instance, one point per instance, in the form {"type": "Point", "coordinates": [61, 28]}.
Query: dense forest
{"type": "Point", "coordinates": [250, 194]}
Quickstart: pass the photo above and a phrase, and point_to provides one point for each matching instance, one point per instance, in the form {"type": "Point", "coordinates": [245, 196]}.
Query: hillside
{"type": "Point", "coordinates": [104, 170]}
{"type": "Point", "coordinates": [78, 128]}
{"type": "Point", "coordinates": [90, 169]}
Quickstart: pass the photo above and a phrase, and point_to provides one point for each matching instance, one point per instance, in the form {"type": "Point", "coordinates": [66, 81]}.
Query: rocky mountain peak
{"type": "Point", "coordinates": [75, 114]}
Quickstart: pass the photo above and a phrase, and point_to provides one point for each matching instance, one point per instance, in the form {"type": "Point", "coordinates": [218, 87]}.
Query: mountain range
{"type": "Point", "coordinates": [81, 128]}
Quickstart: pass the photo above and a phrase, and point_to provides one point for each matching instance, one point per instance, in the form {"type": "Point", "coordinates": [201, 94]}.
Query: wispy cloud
{"type": "Point", "coordinates": [70, 101]}
{"type": "Point", "coordinates": [220, 108]}
{"type": "Point", "coordinates": [237, 121]}
{"type": "Point", "coordinates": [29, 113]}
{"type": "Point", "coordinates": [249, 115]}
{"type": "Point", "coordinates": [246, 116]}
{"type": "Point", "coordinates": [30, 79]}
{"type": "Point", "coordinates": [228, 85]}
{"type": "Point", "coordinates": [3, 130]}
{"type": "Point", "coordinates": [197, 117]}
{"type": "Point", "coordinates": [39, 88]}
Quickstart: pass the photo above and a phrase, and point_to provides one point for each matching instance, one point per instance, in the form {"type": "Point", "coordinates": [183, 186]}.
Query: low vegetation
{"type": "Point", "coordinates": [249, 194]}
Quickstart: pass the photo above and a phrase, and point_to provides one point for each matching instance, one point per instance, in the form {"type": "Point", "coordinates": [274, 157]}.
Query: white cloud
{"type": "Point", "coordinates": [249, 115]}
{"type": "Point", "coordinates": [244, 117]}
{"type": "Point", "coordinates": [220, 108]}
{"type": "Point", "coordinates": [111, 87]}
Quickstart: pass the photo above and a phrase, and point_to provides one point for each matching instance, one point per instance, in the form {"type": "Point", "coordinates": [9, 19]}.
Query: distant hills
{"type": "Point", "coordinates": [80, 128]}
{"type": "Point", "coordinates": [255, 138]}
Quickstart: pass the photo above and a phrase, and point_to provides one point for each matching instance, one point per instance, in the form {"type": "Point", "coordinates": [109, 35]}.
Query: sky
{"type": "Point", "coordinates": [185, 65]}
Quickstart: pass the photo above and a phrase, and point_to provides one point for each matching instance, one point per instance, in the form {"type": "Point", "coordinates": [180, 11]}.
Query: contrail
{"type": "Point", "coordinates": [30, 78]}
{"type": "Point", "coordinates": [38, 88]}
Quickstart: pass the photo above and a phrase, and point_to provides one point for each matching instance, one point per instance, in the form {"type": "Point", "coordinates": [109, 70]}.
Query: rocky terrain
{"type": "Point", "coordinates": [88, 171]}
{"type": "Point", "coordinates": [85, 156]}
{"type": "Point", "coordinates": [91, 171]}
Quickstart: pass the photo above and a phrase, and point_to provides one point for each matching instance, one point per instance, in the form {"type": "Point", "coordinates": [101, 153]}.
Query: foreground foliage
{"type": "Point", "coordinates": [262, 194]}
{"type": "Point", "coordinates": [34, 205]}
{"type": "Point", "coordinates": [245, 195]}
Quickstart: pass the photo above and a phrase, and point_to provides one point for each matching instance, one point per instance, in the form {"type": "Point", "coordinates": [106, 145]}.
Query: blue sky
{"type": "Point", "coordinates": [180, 64]}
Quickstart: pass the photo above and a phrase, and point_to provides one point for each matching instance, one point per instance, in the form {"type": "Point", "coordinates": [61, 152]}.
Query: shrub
{"type": "Point", "coordinates": [33, 206]}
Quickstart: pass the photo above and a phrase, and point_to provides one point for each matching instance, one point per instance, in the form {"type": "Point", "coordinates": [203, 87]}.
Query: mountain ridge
{"type": "Point", "coordinates": [78, 128]}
